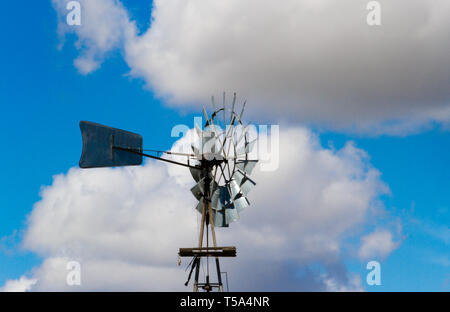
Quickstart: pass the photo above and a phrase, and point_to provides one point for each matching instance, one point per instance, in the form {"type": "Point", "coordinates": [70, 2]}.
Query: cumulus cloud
{"type": "Point", "coordinates": [20, 285]}
{"type": "Point", "coordinates": [380, 243]}
{"type": "Point", "coordinates": [309, 61]}
{"type": "Point", "coordinates": [105, 26]}
{"type": "Point", "coordinates": [125, 225]}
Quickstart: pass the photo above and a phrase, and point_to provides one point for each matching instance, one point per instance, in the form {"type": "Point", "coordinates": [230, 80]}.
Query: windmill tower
{"type": "Point", "coordinates": [220, 165]}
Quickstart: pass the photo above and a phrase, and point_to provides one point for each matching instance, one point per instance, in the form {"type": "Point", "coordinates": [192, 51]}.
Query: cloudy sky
{"type": "Point", "coordinates": [363, 114]}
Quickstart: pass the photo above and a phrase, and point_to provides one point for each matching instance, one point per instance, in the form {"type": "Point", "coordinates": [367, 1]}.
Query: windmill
{"type": "Point", "coordinates": [220, 165]}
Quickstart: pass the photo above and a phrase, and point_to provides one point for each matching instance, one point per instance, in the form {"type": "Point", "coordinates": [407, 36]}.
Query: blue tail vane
{"type": "Point", "coordinates": [104, 146]}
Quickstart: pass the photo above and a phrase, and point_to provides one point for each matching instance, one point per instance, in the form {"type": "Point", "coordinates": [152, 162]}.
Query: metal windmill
{"type": "Point", "coordinates": [220, 166]}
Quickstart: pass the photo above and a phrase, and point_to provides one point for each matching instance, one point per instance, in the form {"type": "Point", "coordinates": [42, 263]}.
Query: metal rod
{"type": "Point", "coordinates": [200, 243]}
{"type": "Point", "coordinates": [219, 276]}
{"type": "Point", "coordinates": [154, 157]}
{"type": "Point", "coordinates": [226, 278]}
{"type": "Point", "coordinates": [232, 106]}
{"type": "Point", "coordinates": [168, 152]}
{"type": "Point", "coordinates": [197, 271]}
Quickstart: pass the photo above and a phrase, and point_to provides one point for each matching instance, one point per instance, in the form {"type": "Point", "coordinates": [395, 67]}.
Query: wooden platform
{"type": "Point", "coordinates": [208, 252]}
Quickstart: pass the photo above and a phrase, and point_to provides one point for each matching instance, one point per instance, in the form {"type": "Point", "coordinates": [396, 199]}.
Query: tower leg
{"type": "Point", "coordinates": [200, 243]}
{"type": "Point", "coordinates": [202, 226]}
{"type": "Point", "coordinates": [219, 275]}
{"type": "Point", "coordinates": [197, 271]}
{"type": "Point", "coordinates": [213, 234]}
{"type": "Point", "coordinates": [207, 219]}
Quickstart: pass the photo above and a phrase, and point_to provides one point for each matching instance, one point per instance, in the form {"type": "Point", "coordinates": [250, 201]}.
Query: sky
{"type": "Point", "coordinates": [364, 141]}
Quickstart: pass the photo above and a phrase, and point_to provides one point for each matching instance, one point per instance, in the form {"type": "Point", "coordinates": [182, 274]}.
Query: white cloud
{"type": "Point", "coordinates": [105, 26]}
{"type": "Point", "coordinates": [20, 285]}
{"type": "Point", "coordinates": [353, 285]}
{"type": "Point", "coordinates": [125, 225]}
{"type": "Point", "coordinates": [309, 61]}
{"type": "Point", "coordinates": [380, 243]}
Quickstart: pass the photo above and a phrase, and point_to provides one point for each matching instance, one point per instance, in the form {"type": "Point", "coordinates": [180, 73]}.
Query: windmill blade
{"type": "Point", "coordinates": [238, 176]}
{"type": "Point", "coordinates": [244, 132]}
{"type": "Point", "coordinates": [199, 189]}
{"type": "Point", "coordinates": [196, 151]}
{"type": "Point", "coordinates": [232, 108]}
{"type": "Point", "coordinates": [246, 165]}
{"type": "Point", "coordinates": [242, 111]}
{"type": "Point", "coordinates": [198, 131]}
{"type": "Point", "coordinates": [234, 188]}
{"type": "Point", "coordinates": [213, 186]}
{"type": "Point", "coordinates": [208, 121]}
{"type": "Point", "coordinates": [220, 219]}
{"type": "Point", "coordinates": [100, 146]}
{"type": "Point", "coordinates": [247, 185]}
{"type": "Point", "coordinates": [231, 215]}
{"type": "Point", "coordinates": [196, 174]}
{"type": "Point", "coordinates": [221, 198]}
{"type": "Point", "coordinates": [246, 149]}
{"type": "Point", "coordinates": [216, 203]}
{"type": "Point", "coordinates": [199, 206]}
{"type": "Point", "coordinates": [241, 203]}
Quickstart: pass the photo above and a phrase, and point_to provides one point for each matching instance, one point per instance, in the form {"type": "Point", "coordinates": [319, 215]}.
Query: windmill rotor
{"type": "Point", "coordinates": [223, 156]}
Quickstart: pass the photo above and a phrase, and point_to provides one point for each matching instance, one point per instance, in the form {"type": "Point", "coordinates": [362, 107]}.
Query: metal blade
{"type": "Point", "coordinates": [247, 185]}
{"type": "Point", "coordinates": [208, 121]}
{"type": "Point", "coordinates": [232, 108]}
{"type": "Point", "coordinates": [238, 176]}
{"type": "Point", "coordinates": [240, 203]}
{"type": "Point", "coordinates": [199, 189]}
{"type": "Point", "coordinates": [247, 148]}
{"type": "Point", "coordinates": [231, 215]}
{"type": "Point", "coordinates": [216, 203]}
{"type": "Point", "coordinates": [247, 165]}
{"type": "Point", "coordinates": [198, 131]}
{"type": "Point", "coordinates": [219, 219]}
{"type": "Point", "coordinates": [213, 186]}
{"type": "Point", "coordinates": [242, 111]}
{"type": "Point", "coordinates": [196, 174]}
{"type": "Point", "coordinates": [199, 206]}
{"type": "Point", "coordinates": [244, 132]}
{"type": "Point", "coordinates": [225, 197]}
{"type": "Point", "coordinates": [234, 188]}
{"type": "Point", "coordinates": [196, 151]}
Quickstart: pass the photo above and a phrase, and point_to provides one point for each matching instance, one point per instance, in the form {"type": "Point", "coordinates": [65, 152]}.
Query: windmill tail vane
{"type": "Point", "coordinates": [220, 164]}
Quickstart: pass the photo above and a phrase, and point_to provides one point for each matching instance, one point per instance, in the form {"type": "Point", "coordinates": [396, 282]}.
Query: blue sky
{"type": "Point", "coordinates": [44, 97]}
